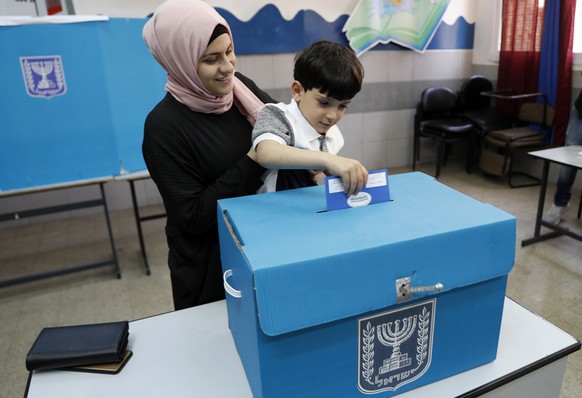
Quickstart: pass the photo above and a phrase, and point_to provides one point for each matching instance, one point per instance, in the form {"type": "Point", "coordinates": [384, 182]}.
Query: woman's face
{"type": "Point", "coordinates": [216, 66]}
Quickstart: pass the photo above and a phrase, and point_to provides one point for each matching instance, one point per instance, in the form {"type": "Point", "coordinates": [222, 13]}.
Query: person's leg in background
{"type": "Point", "coordinates": [567, 174]}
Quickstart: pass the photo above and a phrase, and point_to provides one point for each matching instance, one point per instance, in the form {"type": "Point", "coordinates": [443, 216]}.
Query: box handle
{"type": "Point", "coordinates": [229, 289]}
{"type": "Point", "coordinates": [404, 289]}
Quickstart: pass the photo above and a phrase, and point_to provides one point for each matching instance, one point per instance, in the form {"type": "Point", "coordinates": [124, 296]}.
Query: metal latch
{"type": "Point", "coordinates": [404, 290]}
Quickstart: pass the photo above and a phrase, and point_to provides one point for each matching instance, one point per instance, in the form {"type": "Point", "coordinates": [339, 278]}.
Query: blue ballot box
{"type": "Point", "coordinates": [369, 301]}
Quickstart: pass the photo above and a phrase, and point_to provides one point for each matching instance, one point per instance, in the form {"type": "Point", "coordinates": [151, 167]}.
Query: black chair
{"type": "Point", "coordinates": [531, 131]}
{"type": "Point", "coordinates": [436, 118]}
{"type": "Point", "coordinates": [477, 108]}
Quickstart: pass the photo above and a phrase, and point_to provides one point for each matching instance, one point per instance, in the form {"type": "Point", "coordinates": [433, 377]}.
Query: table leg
{"type": "Point", "coordinates": [101, 202]}
{"type": "Point", "coordinates": [542, 198]}
{"type": "Point", "coordinates": [556, 230]}
{"type": "Point", "coordinates": [543, 188]}
{"type": "Point", "coordinates": [109, 229]}
{"type": "Point", "coordinates": [139, 230]}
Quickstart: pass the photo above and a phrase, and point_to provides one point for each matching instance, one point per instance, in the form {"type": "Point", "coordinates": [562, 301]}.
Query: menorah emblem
{"type": "Point", "coordinates": [43, 68]}
{"type": "Point", "coordinates": [43, 76]}
{"type": "Point", "coordinates": [392, 335]}
{"type": "Point", "coordinates": [395, 347]}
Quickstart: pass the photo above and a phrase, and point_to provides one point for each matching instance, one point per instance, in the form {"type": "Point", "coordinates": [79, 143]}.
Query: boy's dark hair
{"type": "Point", "coordinates": [331, 68]}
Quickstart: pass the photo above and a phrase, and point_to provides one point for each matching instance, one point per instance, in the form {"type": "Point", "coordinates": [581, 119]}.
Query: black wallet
{"type": "Point", "coordinates": [66, 346]}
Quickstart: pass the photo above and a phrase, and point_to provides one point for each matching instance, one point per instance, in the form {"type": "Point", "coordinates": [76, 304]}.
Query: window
{"type": "Point", "coordinates": [577, 45]}
{"type": "Point", "coordinates": [578, 28]}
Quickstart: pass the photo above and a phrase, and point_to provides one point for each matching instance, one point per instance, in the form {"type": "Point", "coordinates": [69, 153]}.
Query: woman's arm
{"type": "Point", "coordinates": [192, 172]}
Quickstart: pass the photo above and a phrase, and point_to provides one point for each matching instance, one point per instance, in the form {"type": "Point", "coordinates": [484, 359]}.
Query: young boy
{"type": "Point", "coordinates": [326, 77]}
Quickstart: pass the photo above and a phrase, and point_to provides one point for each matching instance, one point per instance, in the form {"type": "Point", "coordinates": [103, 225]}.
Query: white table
{"type": "Point", "coordinates": [191, 353]}
{"type": "Point", "coordinates": [567, 156]}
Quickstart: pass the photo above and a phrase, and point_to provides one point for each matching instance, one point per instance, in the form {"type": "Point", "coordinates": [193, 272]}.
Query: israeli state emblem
{"type": "Point", "coordinates": [43, 76]}
{"type": "Point", "coordinates": [395, 347]}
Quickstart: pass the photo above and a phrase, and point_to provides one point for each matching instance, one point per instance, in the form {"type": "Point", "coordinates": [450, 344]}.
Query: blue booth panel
{"type": "Point", "coordinates": [74, 100]}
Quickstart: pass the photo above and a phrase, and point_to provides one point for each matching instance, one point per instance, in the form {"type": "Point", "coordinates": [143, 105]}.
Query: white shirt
{"type": "Point", "coordinates": [285, 124]}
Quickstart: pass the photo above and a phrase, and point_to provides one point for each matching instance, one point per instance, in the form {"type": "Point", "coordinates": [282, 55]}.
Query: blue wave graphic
{"type": "Point", "coordinates": [459, 36]}
{"type": "Point", "coordinates": [268, 32]}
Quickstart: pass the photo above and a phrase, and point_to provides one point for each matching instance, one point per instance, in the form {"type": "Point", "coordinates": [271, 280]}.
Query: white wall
{"type": "Point", "coordinates": [378, 135]}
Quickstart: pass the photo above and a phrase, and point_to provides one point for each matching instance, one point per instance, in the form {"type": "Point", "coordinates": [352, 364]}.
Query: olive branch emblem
{"type": "Point", "coordinates": [28, 75]}
{"type": "Point", "coordinates": [59, 73]}
{"type": "Point", "coordinates": [368, 352]}
{"type": "Point", "coordinates": [423, 335]}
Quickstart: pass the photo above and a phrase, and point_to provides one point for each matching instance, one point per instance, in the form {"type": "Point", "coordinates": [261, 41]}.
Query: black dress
{"type": "Point", "coordinates": [195, 159]}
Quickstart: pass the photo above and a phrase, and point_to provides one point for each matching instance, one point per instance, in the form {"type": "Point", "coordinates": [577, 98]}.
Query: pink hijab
{"type": "Point", "coordinates": [177, 36]}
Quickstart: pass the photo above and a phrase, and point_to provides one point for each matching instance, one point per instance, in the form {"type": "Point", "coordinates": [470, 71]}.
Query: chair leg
{"type": "Point", "coordinates": [580, 206]}
{"type": "Point", "coordinates": [440, 157]}
{"type": "Point", "coordinates": [508, 158]}
{"type": "Point", "coordinates": [415, 150]}
{"type": "Point", "coordinates": [478, 146]}
{"type": "Point", "coordinates": [470, 154]}
{"type": "Point", "coordinates": [535, 180]}
{"type": "Point", "coordinates": [511, 173]}
{"type": "Point", "coordinates": [446, 153]}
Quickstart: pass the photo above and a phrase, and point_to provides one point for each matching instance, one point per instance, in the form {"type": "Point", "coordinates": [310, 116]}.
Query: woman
{"type": "Point", "coordinates": [197, 140]}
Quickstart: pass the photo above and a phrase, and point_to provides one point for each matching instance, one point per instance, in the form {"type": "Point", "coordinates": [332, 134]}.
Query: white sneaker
{"type": "Point", "coordinates": [553, 216]}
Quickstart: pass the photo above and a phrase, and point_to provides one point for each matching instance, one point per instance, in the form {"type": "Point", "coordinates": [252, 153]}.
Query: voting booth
{"type": "Point", "coordinates": [75, 95]}
{"type": "Point", "coordinates": [368, 301]}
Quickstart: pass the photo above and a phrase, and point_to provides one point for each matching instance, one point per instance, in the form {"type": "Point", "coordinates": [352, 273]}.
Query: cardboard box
{"type": "Point", "coordinates": [317, 301]}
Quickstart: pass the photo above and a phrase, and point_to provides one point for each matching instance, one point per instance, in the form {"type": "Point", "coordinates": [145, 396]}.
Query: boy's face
{"type": "Point", "coordinates": [322, 112]}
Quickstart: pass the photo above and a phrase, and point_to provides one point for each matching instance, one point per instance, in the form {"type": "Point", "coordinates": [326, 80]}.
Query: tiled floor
{"type": "Point", "coordinates": [547, 277]}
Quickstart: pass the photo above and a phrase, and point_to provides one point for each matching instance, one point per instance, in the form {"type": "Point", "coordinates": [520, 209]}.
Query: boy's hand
{"type": "Point", "coordinates": [352, 173]}
{"type": "Point", "coordinates": [273, 155]}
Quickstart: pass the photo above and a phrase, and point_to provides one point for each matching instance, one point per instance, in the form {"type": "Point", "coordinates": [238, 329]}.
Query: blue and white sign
{"type": "Point", "coordinates": [376, 190]}
{"type": "Point", "coordinates": [395, 347]}
{"type": "Point", "coordinates": [43, 76]}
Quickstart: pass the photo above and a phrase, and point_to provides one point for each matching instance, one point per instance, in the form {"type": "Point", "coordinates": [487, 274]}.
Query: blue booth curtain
{"type": "Point", "coordinates": [548, 71]}
{"type": "Point", "coordinates": [560, 20]}
{"type": "Point", "coordinates": [555, 74]}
